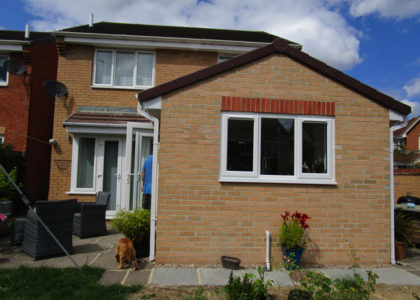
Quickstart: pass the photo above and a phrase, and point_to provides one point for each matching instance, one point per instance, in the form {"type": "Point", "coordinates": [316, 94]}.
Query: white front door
{"type": "Point", "coordinates": [141, 141]}
{"type": "Point", "coordinates": [109, 175]}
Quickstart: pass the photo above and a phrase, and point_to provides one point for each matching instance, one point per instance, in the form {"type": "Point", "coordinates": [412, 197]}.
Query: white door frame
{"type": "Point", "coordinates": [127, 175]}
{"type": "Point", "coordinates": [100, 159]}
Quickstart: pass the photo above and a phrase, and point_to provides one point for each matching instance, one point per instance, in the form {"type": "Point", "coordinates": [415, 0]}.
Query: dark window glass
{"type": "Point", "coordinates": [85, 164]}
{"type": "Point", "coordinates": [277, 146]}
{"type": "Point", "coordinates": [314, 147]}
{"type": "Point", "coordinates": [240, 145]}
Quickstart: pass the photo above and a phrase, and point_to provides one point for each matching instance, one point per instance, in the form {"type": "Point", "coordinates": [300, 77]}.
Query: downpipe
{"type": "Point", "coordinates": [267, 251]}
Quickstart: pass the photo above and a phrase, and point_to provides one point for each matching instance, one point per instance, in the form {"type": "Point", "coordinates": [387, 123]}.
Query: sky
{"type": "Point", "coordinates": [375, 41]}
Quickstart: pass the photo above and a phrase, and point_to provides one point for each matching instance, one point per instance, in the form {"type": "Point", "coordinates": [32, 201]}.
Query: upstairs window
{"type": "Point", "coordinates": [277, 148]}
{"type": "Point", "coordinates": [3, 72]}
{"type": "Point", "coordinates": [124, 69]}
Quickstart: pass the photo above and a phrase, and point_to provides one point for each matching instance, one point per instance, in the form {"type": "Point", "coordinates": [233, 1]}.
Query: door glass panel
{"type": "Point", "coordinates": [110, 172]}
{"type": "Point", "coordinates": [85, 164]}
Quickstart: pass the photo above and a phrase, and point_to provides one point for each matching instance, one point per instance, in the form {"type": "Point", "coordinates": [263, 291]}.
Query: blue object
{"type": "Point", "coordinates": [291, 258]}
{"type": "Point", "coordinates": [147, 168]}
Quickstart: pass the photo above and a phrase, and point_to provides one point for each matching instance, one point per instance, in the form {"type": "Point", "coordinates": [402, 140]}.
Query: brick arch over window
{"type": "Point", "coordinates": [264, 105]}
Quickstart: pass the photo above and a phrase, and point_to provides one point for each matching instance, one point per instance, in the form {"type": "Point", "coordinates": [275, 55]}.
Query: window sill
{"type": "Point", "coordinates": [120, 88]}
{"type": "Point", "coordinates": [282, 181]}
{"type": "Point", "coordinates": [80, 193]}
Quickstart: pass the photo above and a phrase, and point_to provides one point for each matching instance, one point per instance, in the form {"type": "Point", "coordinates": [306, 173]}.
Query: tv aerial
{"type": "Point", "coordinates": [15, 67]}
{"type": "Point", "coordinates": [55, 89]}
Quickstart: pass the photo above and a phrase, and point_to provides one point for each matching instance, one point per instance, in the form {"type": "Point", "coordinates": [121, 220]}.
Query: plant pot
{"type": "Point", "coordinates": [400, 250]}
{"type": "Point", "coordinates": [291, 258]}
{"type": "Point", "coordinates": [142, 247]}
{"type": "Point", "coordinates": [6, 207]}
{"type": "Point", "coordinates": [231, 263]}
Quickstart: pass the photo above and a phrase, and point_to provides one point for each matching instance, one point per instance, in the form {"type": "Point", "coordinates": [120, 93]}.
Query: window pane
{"type": "Point", "coordinates": [86, 163]}
{"type": "Point", "coordinates": [277, 146]}
{"type": "Point", "coordinates": [144, 69]}
{"type": "Point", "coordinates": [124, 69]}
{"type": "Point", "coordinates": [103, 67]}
{"type": "Point", "coordinates": [240, 145]}
{"type": "Point", "coordinates": [314, 147]}
{"type": "Point", "coordinates": [3, 73]}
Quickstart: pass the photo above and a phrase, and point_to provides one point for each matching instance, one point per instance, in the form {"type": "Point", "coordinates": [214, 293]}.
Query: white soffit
{"type": "Point", "coordinates": [394, 116]}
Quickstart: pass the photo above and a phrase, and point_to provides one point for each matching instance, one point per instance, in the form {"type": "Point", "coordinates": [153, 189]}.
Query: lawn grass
{"type": "Point", "coordinates": [59, 283]}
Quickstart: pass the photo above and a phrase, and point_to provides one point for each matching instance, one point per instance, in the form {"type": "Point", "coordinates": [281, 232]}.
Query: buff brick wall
{"type": "Point", "coordinates": [201, 219]}
{"type": "Point", "coordinates": [406, 181]}
{"type": "Point", "coordinates": [75, 71]}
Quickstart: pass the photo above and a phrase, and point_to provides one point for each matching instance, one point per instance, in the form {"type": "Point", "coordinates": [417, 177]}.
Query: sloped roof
{"type": "Point", "coordinates": [410, 125]}
{"type": "Point", "coordinates": [174, 31]}
{"type": "Point", "coordinates": [277, 46]}
{"type": "Point", "coordinates": [103, 118]}
{"type": "Point", "coordinates": [16, 35]}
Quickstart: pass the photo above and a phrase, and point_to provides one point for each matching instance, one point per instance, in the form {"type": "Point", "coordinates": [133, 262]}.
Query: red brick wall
{"type": "Point", "coordinates": [14, 106]}
{"type": "Point", "coordinates": [201, 219]}
{"type": "Point", "coordinates": [413, 138]}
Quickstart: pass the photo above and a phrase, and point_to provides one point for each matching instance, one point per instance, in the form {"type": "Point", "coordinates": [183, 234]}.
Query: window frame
{"type": "Point", "coordinates": [255, 175]}
{"type": "Point", "coordinates": [75, 164]}
{"type": "Point", "coordinates": [5, 83]}
{"type": "Point", "coordinates": [1, 138]}
{"type": "Point", "coordinates": [113, 68]}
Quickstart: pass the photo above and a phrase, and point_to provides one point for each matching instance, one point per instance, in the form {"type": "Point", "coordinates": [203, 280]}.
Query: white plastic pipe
{"type": "Point", "coordinates": [267, 250]}
{"type": "Point", "coordinates": [391, 196]}
{"type": "Point", "coordinates": [27, 31]}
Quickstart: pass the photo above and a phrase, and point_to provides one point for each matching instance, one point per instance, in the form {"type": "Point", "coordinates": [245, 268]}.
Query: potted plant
{"type": "Point", "coordinates": [293, 233]}
{"type": "Point", "coordinates": [406, 227]}
{"type": "Point", "coordinates": [8, 193]}
{"type": "Point", "coordinates": [135, 225]}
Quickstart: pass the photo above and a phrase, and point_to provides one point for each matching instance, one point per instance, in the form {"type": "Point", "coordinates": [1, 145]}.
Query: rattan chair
{"type": "Point", "coordinates": [58, 216]}
{"type": "Point", "coordinates": [89, 219]}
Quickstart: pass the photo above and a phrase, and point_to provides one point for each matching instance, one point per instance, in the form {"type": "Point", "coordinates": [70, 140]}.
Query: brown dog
{"type": "Point", "coordinates": [125, 252]}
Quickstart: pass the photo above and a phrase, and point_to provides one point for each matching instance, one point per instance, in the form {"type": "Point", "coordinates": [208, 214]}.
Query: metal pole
{"type": "Point", "coordinates": [26, 201]}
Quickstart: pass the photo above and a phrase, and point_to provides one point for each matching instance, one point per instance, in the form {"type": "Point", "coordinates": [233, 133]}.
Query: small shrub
{"type": "Point", "coordinates": [247, 288]}
{"type": "Point", "coordinates": [133, 224]}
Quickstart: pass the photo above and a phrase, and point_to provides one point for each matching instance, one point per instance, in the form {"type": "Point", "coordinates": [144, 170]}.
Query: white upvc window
{"type": "Point", "coordinates": [277, 148]}
{"type": "Point", "coordinates": [123, 69]}
{"type": "Point", "coordinates": [84, 164]}
{"type": "Point", "coordinates": [1, 138]}
{"type": "Point", "coordinates": [4, 75]}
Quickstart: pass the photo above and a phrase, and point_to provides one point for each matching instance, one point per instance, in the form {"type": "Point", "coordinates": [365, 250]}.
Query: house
{"type": "Point", "coordinates": [26, 111]}
{"type": "Point", "coordinates": [408, 138]}
{"type": "Point", "coordinates": [407, 159]}
{"type": "Point", "coordinates": [238, 143]}
{"type": "Point", "coordinates": [100, 138]}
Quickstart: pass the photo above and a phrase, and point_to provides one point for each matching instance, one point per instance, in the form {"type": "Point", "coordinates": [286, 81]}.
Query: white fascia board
{"type": "Point", "coordinates": [100, 128]}
{"type": "Point", "coordinates": [10, 47]}
{"type": "Point", "coordinates": [124, 41]}
{"type": "Point", "coordinates": [395, 116]}
{"type": "Point", "coordinates": [155, 103]}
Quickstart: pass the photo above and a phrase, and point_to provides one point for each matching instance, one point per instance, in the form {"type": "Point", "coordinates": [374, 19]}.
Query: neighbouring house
{"type": "Point", "coordinates": [238, 143]}
{"type": "Point", "coordinates": [407, 159]}
{"type": "Point", "coordinates": [26, 111]}
{"type": "Point", "coordinates": [101, 139]}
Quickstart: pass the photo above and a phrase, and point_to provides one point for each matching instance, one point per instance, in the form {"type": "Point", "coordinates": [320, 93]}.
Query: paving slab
{"type": "Point", "coordinates": [336, 273]}
{"type": "Point", "coordinates": [174, 276]}
{"type": "Point", "coordinates": [216, 277]}
{"type": "Point", "coordinates": [396, 276]}
{"type": "Point", "coordinates": [138, 277]}
{"type": "Point", "coordinates": [111, 277]}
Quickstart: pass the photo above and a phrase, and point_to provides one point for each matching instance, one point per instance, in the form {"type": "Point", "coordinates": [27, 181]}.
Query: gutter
{"type": "Point", "coordinates": [392, 204]}
{"type": "Point", "coordinates": [153, 205]}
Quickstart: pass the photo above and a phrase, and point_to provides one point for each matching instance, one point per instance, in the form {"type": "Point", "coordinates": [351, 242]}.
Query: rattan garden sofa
{"type": "Point", "coordinates": [58, 216]}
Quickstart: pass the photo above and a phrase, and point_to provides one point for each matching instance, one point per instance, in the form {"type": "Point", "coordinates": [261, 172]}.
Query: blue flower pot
{"type": "Point", "coordinates": [291, 258]}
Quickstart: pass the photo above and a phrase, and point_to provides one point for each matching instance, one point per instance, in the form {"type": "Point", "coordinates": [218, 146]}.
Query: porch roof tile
{"type": "Point", "coordinates": [104, 118]}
